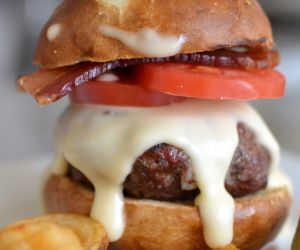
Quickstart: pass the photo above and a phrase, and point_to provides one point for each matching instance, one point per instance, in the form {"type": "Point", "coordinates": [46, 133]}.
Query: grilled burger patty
{"type": "Point", "coordinates": [164, 172]}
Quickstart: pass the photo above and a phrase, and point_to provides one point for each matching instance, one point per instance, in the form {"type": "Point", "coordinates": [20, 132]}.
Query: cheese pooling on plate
{"type": "Point", "coordinates": [103, 142]}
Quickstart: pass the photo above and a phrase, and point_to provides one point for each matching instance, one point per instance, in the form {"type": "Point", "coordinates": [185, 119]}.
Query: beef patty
{"type": "Point", "coordinates": [164, 172]}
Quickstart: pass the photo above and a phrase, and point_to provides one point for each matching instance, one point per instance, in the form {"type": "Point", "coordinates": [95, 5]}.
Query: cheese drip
{"type": "Point", "coordinates": [103, 142]}
{"type": "Point", "coordinates": [146, 41]}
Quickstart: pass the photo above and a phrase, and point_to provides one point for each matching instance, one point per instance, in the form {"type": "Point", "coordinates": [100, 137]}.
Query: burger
{"type": "Point", "coordinates": [159, 143]}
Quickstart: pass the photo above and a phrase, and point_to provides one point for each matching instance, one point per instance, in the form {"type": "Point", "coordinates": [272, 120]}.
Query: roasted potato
{"type": "Point", "coordinates": [296, 241]}
{"type": "Point", "coordinates": [54, 232]}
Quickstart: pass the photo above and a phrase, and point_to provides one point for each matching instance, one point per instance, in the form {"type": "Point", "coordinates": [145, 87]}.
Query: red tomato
{"type": "Point", "coordinates": [120, 93]}
{"type": "Point", "coordinates": [191, 80]}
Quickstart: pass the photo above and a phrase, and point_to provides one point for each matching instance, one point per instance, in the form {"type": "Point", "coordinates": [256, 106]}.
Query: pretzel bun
{"type": "Point", "coordinates": [153, 225]}
{"type": "Point", "coordinates": [206, 25]}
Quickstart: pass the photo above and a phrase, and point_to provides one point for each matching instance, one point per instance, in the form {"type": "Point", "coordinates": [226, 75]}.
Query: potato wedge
{"type": "Point", "coordinates": [296, 241]}
{"type": "Point", "coordinates": [54, 232]}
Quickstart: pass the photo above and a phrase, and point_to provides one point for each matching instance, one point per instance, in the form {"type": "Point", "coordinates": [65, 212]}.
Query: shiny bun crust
{"type": "Point", "coordinates": [207, 25]}
{"type": "Point", "coordinates": [152, 225]}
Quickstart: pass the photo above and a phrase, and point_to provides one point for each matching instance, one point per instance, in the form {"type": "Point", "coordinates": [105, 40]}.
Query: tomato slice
{"type": "Point", "coordinates": [203, 82]}
{"type": "Point", "coordinates": [120, 93]}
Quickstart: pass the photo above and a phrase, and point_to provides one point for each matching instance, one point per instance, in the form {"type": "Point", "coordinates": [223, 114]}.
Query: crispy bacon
{"type": "Point", "coordinates": [47, 86]}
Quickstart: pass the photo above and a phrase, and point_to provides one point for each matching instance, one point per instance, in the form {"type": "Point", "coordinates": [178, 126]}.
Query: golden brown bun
{"type": "Point", "coordinates": [207, 25]}
{"type": "Point", "coordinates": [154, 225]}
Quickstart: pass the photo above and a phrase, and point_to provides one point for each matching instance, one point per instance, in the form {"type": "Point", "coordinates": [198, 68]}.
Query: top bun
{"type": "Point", "coordinates": [72, 33]}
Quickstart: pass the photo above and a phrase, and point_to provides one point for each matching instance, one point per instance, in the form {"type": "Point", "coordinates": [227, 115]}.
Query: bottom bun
{"type": "Point", "coordinates": [153, 225]}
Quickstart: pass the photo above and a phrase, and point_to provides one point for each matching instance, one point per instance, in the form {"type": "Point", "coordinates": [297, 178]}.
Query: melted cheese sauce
{"type": "Point", "coordinates": [103, 142]}
{"type": "Point", "coordinates": [107, 77]}
{"type": "Point", "coordinates": [117, 3]}
{"type": "Point", "coordinates": [53, 31]}
{"type": "Point", "coordinates": [146, 41]}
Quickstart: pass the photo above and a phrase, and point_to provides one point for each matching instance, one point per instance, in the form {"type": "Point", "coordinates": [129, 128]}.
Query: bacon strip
{"type": "Point", "coordinates": [47, 86]}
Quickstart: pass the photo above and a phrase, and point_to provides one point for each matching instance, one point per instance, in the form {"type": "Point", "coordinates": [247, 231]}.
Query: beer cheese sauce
{"type": "Point", "coordinates": [53, 32]}
{"type": "Point", "coordinates": [117, 3]}
{"type": "Point", "coordinates": [103, 142]}
{"type": "Point", "coordinates": [146, 41]}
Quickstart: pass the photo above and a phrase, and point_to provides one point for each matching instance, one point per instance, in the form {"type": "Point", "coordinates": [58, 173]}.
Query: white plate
{"type": "Point", "coordinates": [20, 191]}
